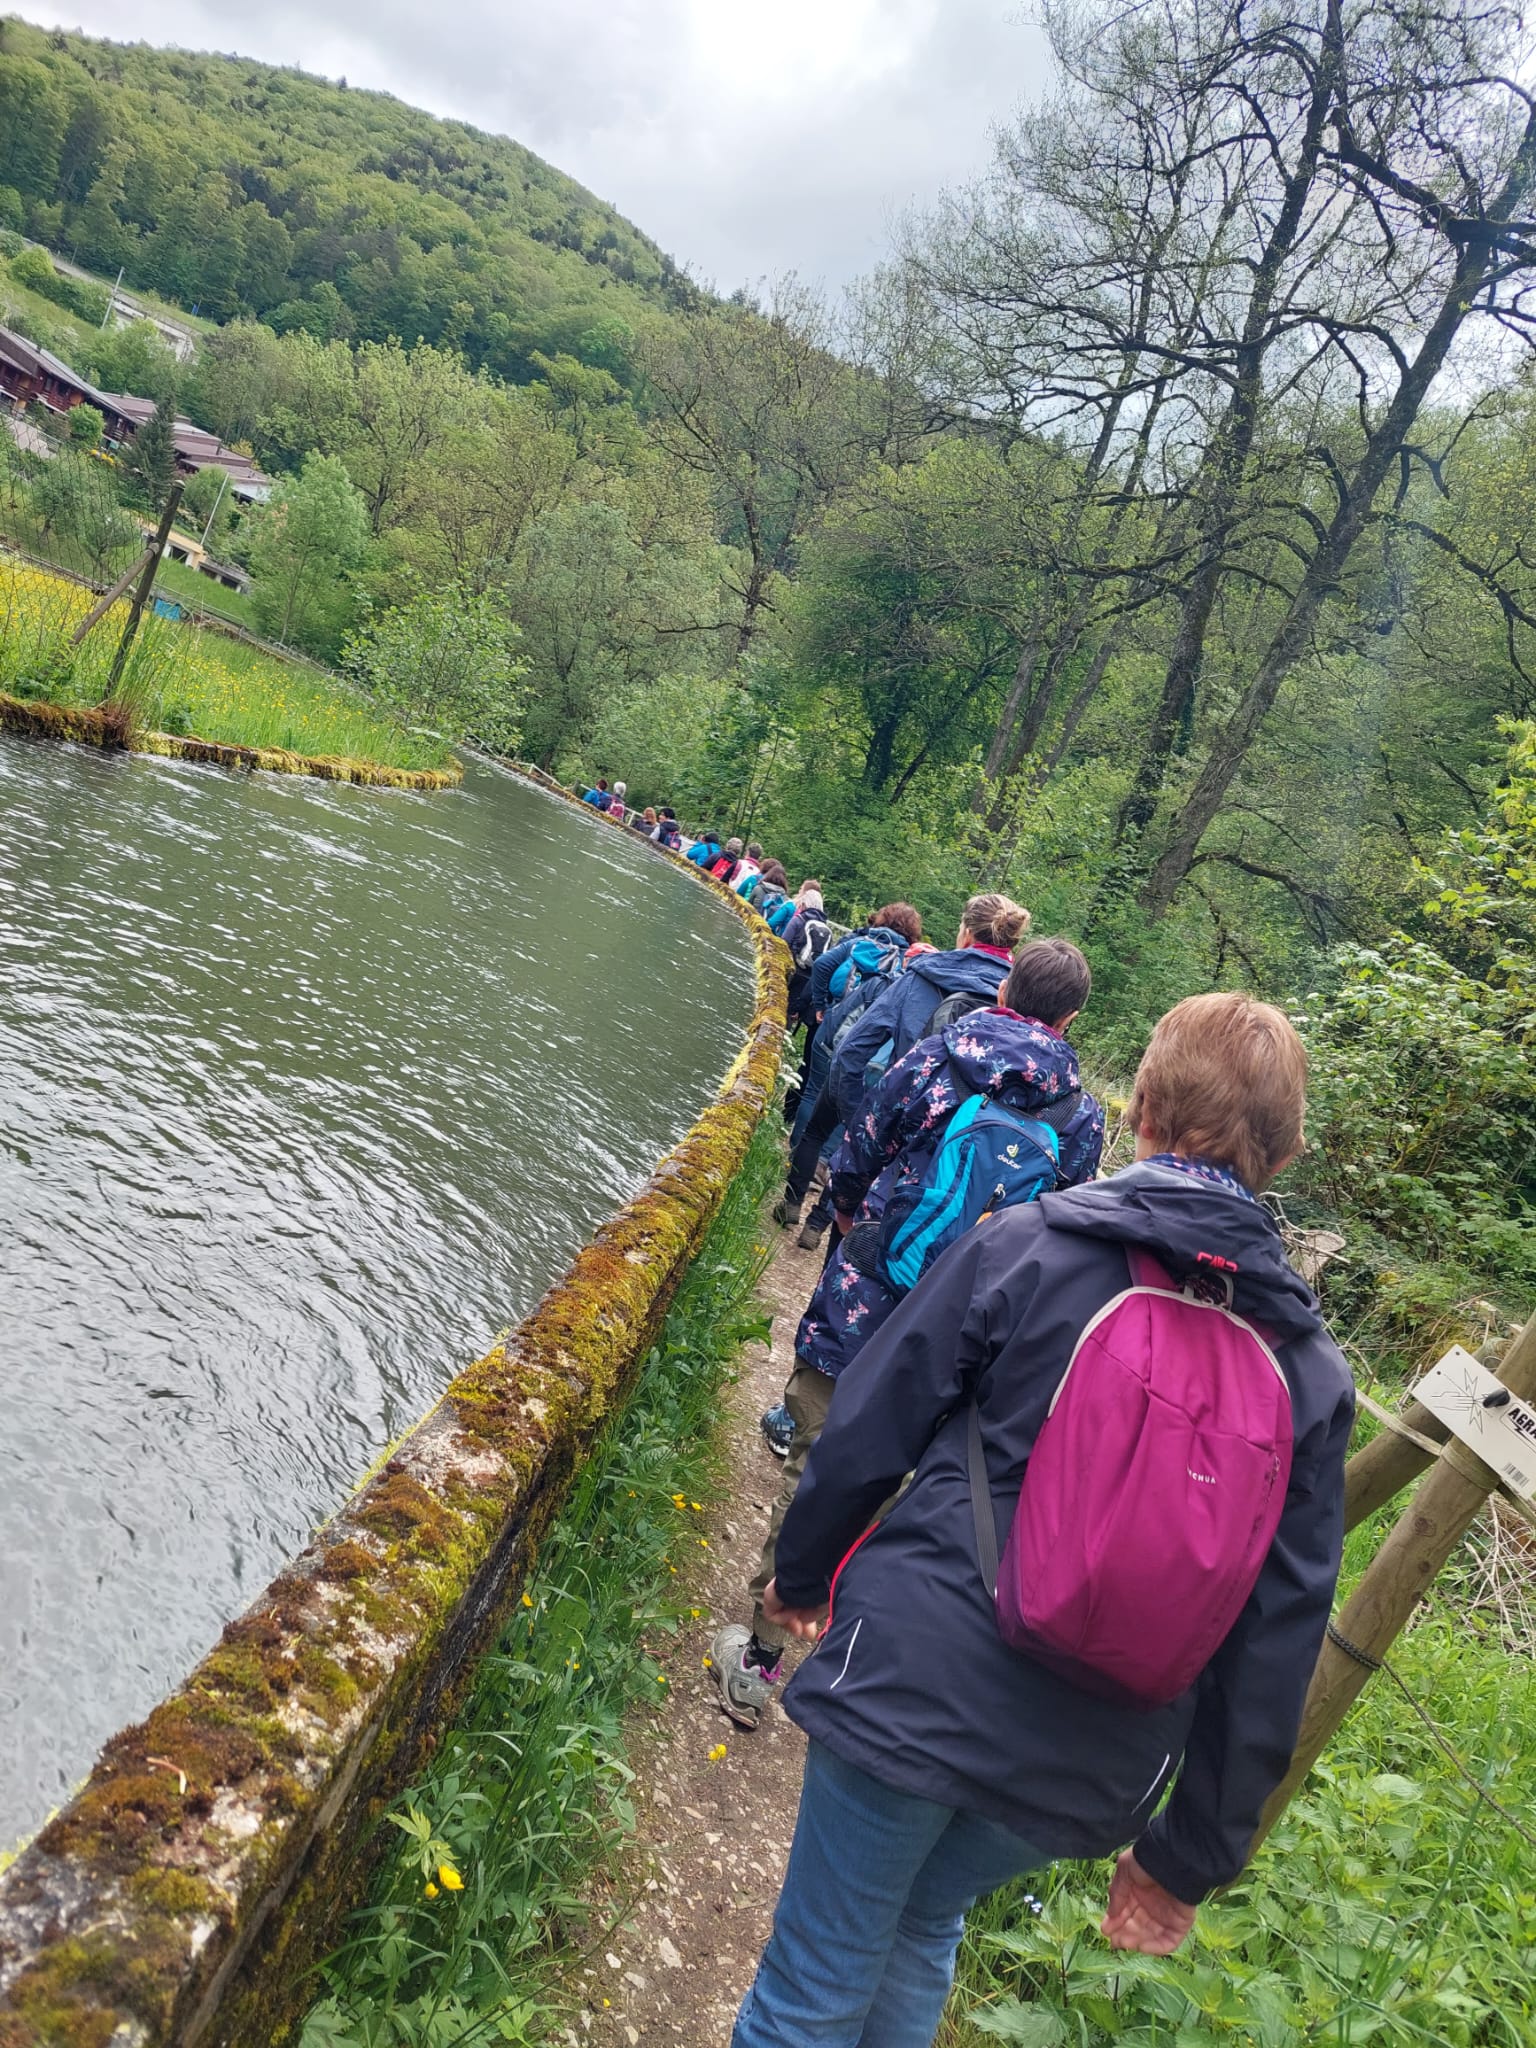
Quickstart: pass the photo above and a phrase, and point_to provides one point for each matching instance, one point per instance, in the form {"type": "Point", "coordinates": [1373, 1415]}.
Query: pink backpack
{"type": "Point", "coordinates": [1152, 1495]}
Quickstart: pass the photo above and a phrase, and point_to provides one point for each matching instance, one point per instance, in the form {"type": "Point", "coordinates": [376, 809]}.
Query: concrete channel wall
{"type": "Point", "coordinates": [212, 1854]}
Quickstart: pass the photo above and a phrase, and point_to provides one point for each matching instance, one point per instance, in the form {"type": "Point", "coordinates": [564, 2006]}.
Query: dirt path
{"type": "Point", "coordinates": [698, 1888]}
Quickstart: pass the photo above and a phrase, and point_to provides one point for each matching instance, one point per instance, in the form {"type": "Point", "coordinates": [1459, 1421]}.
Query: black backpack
{"type": "Point", "coordinates": [958, 1005]}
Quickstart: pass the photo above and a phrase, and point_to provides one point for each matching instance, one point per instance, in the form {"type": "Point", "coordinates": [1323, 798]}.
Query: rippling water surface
{"type": "Point", "coordinates": [305, 1093]}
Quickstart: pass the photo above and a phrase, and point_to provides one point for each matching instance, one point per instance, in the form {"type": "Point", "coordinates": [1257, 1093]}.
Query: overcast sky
{"type": "Point", "coordinates": [748, 137]}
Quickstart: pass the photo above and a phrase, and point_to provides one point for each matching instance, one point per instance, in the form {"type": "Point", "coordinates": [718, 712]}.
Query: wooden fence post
{"type": "Point", "coordinates": [1397, 1578]}
{"type": "Point", "coordinates": [142, 594]}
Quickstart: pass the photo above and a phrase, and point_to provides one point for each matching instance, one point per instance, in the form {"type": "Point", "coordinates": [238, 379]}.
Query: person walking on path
{"type": "Point", "coordinates": [943, 1760]}
{"type": "Point", "coordinates": [935, 988]}
{"type": "Point", "coordinates": [1015, 1055]}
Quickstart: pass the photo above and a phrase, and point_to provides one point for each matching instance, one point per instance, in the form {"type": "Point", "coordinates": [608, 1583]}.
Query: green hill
{"type": "Point", "coordinates": [237, 188]}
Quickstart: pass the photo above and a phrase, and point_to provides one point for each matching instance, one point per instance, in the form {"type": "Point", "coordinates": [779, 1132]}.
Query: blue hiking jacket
{"type": "Point", "coordinates": [912, 1682]}
{"type": "Point", "coordinates": [903, 1012]}
{"type": "Point", "coordinates": [828, 962]}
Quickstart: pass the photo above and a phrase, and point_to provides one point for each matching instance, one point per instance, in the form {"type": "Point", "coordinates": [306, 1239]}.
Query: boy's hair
{"type": "Point", "coordinates": [900, 917]}
{"type": "Point", "coordinates": [754, 851]}
{"type": "Point", "coordinates": [1049, 979]}
{"type": "Point", "coordinates": [1224, 1079]}
{"type": "Point", "coordinates": [995, 920]}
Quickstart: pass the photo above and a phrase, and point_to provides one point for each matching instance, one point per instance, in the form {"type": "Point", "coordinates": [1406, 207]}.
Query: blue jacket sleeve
{"type": "Point", "coordinates": [845, 1077]}
{"type": "Point", "coordinates": [1250, 1697]}
{"type": "Point", "coordinates": [888, 1404]}
{"type": "Point", "coordinates": [823, 971]}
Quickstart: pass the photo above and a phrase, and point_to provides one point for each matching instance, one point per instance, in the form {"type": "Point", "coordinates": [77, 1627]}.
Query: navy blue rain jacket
{"type": "Point", "coordinates": [828, 962]}
{"type": "Point", "coordinates": [912, 1681]}
{"type": "Point", "coordinates": [902, 1015]}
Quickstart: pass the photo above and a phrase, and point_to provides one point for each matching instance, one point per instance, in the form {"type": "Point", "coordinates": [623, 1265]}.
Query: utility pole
{"type": "Point", "coordinates": [218, 501]}
{"type": "Point", "coordinates": [112, 297]}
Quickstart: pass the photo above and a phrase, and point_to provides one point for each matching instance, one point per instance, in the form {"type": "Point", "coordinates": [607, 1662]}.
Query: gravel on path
{"type": "Point", "coordinates": [691, 1905]}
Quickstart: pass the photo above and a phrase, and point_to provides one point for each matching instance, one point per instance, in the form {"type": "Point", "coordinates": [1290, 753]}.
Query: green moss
{"type": "Point", "coordinates": [177, 1892]}
{"type": "Point", "coordinates": [400, 1506]}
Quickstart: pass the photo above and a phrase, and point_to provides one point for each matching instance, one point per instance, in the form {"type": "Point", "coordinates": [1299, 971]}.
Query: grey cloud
{"type": "Point", "coordinates": [691, 116]}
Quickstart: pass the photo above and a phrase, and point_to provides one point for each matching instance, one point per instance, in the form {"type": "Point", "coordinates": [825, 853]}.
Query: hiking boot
{"type": "Point", "coordinates": [811, 1235]}
{"type": "Point", "coordinates": [786, 1212]}
{"type": "Point", "coordinates": [744, 1690]}
{"type": "Point", "coordinates": [778, 1427]}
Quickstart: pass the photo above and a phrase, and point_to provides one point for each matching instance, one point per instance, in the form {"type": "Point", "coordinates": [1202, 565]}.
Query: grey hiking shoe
{"type": "Point", "coordinates": [786, 1212]}
{"type": "Point", "coordinates": [811, 1235]}
{"type": "Point", "coordinates": [744, 1690]}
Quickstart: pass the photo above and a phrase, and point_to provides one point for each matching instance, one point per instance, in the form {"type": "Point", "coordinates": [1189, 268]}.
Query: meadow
{"type": "Point", "coordinates": [182, 679]}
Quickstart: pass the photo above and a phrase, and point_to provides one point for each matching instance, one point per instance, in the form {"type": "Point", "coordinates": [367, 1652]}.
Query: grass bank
{"type": "Point", "coordinates": [1389, 1906]}
{"type": "Point", "coordinates": [182, 680]}
{"type": "Point", "coordinates": [479, 1905]}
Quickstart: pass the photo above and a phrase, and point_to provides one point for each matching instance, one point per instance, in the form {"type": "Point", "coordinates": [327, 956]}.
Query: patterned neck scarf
{"type": "Point", "coordinates": [1203, 1169]}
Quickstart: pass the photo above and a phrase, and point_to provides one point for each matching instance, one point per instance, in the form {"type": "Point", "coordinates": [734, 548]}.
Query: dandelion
{"type": "Point", "coordinates": [717, 1754]}
{"type": "Point", "coordinates": [449, 1878]}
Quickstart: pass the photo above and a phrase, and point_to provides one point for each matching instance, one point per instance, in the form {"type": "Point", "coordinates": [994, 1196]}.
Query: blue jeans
{"type": "Point", "coordinates": [862, 1952]}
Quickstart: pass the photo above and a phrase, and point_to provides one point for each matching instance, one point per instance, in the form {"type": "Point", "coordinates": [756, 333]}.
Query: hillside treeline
{"type": "Point", "coordinates": [1151, 537]}
{"type": "Point", "coordinates": [241, 189]}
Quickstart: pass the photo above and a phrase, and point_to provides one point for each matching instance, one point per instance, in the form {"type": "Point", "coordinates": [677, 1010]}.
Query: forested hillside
{"type": "Point", "coordinates": [240, 189]}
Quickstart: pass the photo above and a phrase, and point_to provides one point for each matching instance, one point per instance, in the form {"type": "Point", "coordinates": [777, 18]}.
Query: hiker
{"type": "Point", "coordinates": [706, 848]}
{"type": "Point", "coordinates": [724, 867]}
{"type": "Point", "coordinates": [807, 935]}
{"type": "Point", "coordinates": [987, 1114]}
{"type": "Point", "coordinates": [1171, 1518]}
{"type": "Point", "coordinates": [597, 797]}
{"type": "Point", "coordinates": [937, 988]}
{"type": "Point", "coordinates": [894, 924]}
{"type": "Point", "coordinates": [667, 833]}
{"type": "Point", "coordinates": [645, 823]}
{"type": "Point", "coordinates": [616, 802]}
{"type": "Point", "coordinates": [870, 960]}
{"type": "Point", "coordinates": [748, 870]}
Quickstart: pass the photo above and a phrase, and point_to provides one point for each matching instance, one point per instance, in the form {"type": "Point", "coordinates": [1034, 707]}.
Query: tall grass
{"type": "Point", "coordinates": [479, 1902]}
{"type": "Point", "coordinates": [183, 680]}
{"type": "Point", "coordinates": [1389, 1906]}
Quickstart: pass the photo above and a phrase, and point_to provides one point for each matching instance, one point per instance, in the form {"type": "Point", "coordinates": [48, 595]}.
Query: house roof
{"type": "Point", "coordinates": [194, 445]}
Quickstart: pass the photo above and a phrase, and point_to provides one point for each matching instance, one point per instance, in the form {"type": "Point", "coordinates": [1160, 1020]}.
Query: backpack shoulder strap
{"type": "Point", "coordinates": [981, 1501]}
{"type": "Point", "coordinates": [1060, 1114]}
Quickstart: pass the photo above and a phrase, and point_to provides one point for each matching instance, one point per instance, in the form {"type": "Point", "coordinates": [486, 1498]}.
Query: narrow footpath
{"type": "Point", "coordinates": [694, 1898]}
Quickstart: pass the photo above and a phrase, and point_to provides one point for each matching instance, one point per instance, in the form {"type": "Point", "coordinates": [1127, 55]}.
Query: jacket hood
{"type": "Point", "coordinates": [1000, 1053]}
{"type": "Point", "coordinates": [962, 971]}
{"type": "Point", "coordinates": [1178, 1218]}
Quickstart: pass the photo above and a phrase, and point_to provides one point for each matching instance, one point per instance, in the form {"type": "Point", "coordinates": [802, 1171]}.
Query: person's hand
{"type": "Point", "coordinates": [804, 1622]}
{"type": "Point", "coordinates": [1142, 1916]}
{"type": "Point", "coordinates": [844, 1223]}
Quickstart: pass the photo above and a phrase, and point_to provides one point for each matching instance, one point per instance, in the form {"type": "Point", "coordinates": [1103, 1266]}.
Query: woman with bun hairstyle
{"type": "Point", "coordinates": [935, 989]}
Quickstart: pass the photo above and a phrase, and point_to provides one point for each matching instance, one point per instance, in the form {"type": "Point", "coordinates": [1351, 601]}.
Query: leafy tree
{"type": "Point", "coordinates": [306, 544]}
{"type": "Point", "coordinates": [85, 426]}
{"type": "Point", "coordinates": [151, 461]}
{"type": "Point", "coordinates": [132, 359]}
{"type": "Point", "coordinates": [445, 658]}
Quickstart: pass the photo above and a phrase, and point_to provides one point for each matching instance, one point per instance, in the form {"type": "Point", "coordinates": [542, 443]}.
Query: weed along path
{"type": "Point", "coordinates": [689, 1906]}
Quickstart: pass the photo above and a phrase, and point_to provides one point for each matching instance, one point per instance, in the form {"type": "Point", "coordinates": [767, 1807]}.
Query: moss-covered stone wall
{"type": "Point", "coordinates": [91, 728]}
{"type": "Point", "coordinates": [215, 1848]}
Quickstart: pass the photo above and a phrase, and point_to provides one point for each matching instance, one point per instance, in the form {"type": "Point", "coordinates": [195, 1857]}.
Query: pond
{"type": "Point", "coordinates": [306, 1092]}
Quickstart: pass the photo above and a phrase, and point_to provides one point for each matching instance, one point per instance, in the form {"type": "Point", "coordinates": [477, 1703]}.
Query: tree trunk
{"type": "Point", "coordinates": [1327, 564]}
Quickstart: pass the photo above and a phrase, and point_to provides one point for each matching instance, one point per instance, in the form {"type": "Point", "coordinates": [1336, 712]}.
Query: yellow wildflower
{"type": "Point", "coordinates": [449, 1878]}
{"type": "Point", "coordinates": [430, 1889]}
{"type": "Point", "coordinates": [717, 1754]}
